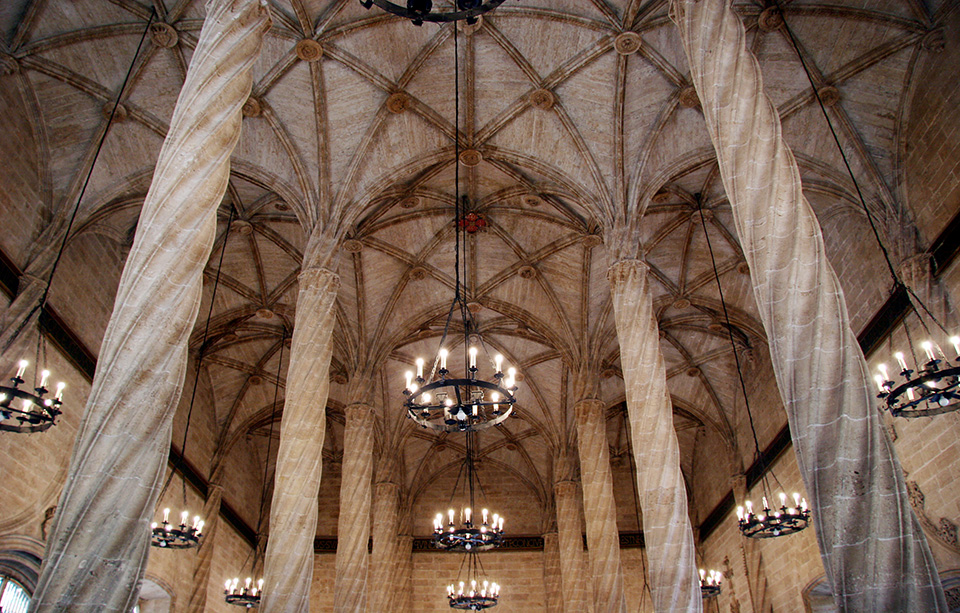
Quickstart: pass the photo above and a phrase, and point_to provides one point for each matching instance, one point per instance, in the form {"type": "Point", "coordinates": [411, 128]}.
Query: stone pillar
{"type": "Point", "coordinates": [288, 563]}
{"type": "Point", "coordinates": [382, 590]}
{"type": "Point", "coordinates": [121, 449]}
{"type": "Point", "coordinates": [570, 543]}
{"type": "Point", "coordinates": [599, 507]}
{"type": "Point", "coordinates": [875, 555]}
{"type": "Point", "coordinates": [353, 527]}
{"type": "Point", "coordinates": [404, 574]}
{"type": "Point", "coordinates": [204, 558]}
{"type": "Point", "coordinates": [551, 573]}
{"type": "Point", "coordinates": [660, 486]}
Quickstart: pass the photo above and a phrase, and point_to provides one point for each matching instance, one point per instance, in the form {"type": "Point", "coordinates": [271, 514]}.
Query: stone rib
{"type": "Point", "coordinates": [288, 563]}
{"type": "Point", "coordinates": [874, 553]}
{"type": "Point", "coordinates": [121, 448]}
{"type": "Point", "coordinates": [599, 508]}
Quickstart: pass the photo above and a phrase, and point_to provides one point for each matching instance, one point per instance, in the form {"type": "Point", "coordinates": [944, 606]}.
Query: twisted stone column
{"type": "Point", "coordinates": [875, 555]}
{"type": "Point", "coordinates": [599, 507]}
{"type": "Point", "coordinates": [204, 558]}
{"type": "Point", "coordinates": [570, 542]}
{"type": "Point", "coordinates": [663, 498]}
{"type": "Point", "coordinates": [551, 573]}
{"type": "Point", "coordinates": [404, 575]}
{"type": "Point", "coordinates": [386, 549]}
{"type": "Point", "coordinates": [353, 527]}
{"type": "Point", "coordinates": [124, 438]}
{"type": "Point", "coordinates": [288, 563]}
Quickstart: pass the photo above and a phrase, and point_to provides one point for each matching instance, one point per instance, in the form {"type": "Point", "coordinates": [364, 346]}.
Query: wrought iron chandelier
{"type": "Point", "coordinates": [243, 595]}
{"type": "Point", "coordinates": [474, 592]}
{"type": "Point", "coordinates": [35, 413]}
{"type": "Point", "coordinates": [461, 531]}
{"type": "Point", "coordinates": [769, 522]}
{"type": "Point", "coordinates": [932, 388]}
{"type": "Point", "coordinates": [181, 536]}
{"type": "Point", "coordinates": [418, 11]}
{"type": "Point", "coordinates": [710, 583]}
{"type": "Point", "coordinates": [462, 401]}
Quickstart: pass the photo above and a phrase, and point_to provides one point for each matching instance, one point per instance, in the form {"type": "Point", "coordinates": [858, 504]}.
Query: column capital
{"type": "Point", "coordinates": [566, 487]}
{"type": "Point", "coordinates": [622, 270]}
{"type": "Point", "coordinates": [318, 277]}
{"type": "Point", "coordinates": [588, 409]}
{"type": "Point", "coordinates": [360, 413]}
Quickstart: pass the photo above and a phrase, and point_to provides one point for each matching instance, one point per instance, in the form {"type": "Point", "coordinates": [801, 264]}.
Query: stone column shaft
{"type": "Point", "coordinates": [404, 572]}
{"type": "Point", "coordinates": [551, 573]}
{"type": "Point", "coordinates": [288, 563]}
{"type": "Point", "coordinates": [673, 581]}
{"type": "Point", "coordinates": [875, 555]}
{"type": "Point", "coordinates": [570, 543]}
{"type": "Point", "coordinates": [599, 507]}
{"type": "Point", "coordinates": [121, 448]}
{"type": "Point", "coordinates": [382, 589]}
{"type": "Point", "coordinates": [353, 527]}
{"type": "Point", "coordinates": [204, 558]}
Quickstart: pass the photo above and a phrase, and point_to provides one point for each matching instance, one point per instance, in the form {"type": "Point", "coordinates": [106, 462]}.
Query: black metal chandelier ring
{"type": "Point", "coordinates": [36, 415]}
{"type": "Point", "coordinates": [419, 11]}
{"type": "Point", "coordinates": [472, 603]}
{"type": "Point", "coordinates": [916, 398]}
{"type": "Point", "coordinates": [467, 410]}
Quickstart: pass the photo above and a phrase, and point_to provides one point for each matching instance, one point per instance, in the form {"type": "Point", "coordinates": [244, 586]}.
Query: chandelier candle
{"type": "Point", "coordinates": [36, 412]}
{"type": "Point", "coordinates": [182, 536]}
{"type": "Point", "coordinates": [774, 522]}
{"type": "Point", "coordinates": [710, 583]}
{"type": "Point", "coordinates": [932, 388]}
{"type": "Point", "coordinates": [246, 595]}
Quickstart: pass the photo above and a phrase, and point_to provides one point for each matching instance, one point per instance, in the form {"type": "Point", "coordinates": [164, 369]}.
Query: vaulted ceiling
{"type": "Point", "coordinates": [570, 124]}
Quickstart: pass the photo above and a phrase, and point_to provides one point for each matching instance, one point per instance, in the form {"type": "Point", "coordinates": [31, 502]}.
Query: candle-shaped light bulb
{"type": "Point", "coordinates": [783, 499]}
{"type": "Point", "coordinates": [955, 341]}
{"type": "Point", "coordinates": [903, 363]}
{"type": "Point", "coordinates": [910, 395]}
{"type": "Point", "coordinates": [44, 375]}
{"type": "Point", "coordinates": [796, 499]}
{"type": "Point", "coordinates": [260, 583]}
{"type": "Point", "coordinates": [749, 508]}
{"type": "Point", "coordinates": [928, 349]}
{"type": "Point", "coordinates": [60, 387]}
{"type": "Point", "coordinates": [466, 514]}
{"type": "Point", "coordinates": [450, 515]}
{"type": "Point", "coordinates": [483, 513]}
{"type": "Point", "coordinates": [153, 526]}
{"type": "Point", "coordinates": [200, 527]}
{"type": "Point", "coordinates": [21, 367]}
{"type": "Point", "coordinates": [448, 402]}
{"type": "Point", "coordinates": [226, 586]}
{"type": "Point", "coordinates": [803, 504]}
{"type": "Point", "coordinates": [880, 381]}
{"type": "Point", "coordinates": [476, 410]}
{"type": "Point", "coordinates": [473, 357]}
{"type": "Point", "coordinates": [184, 517]}
{"type": "Point", "coordinates": [438, 522]}
{"type": "Point", "coordinates": [426, 397]}
{"type": "Point", "coordinates": [740, 513]}
{"type": "Point", "coordinates": [443, 359]}
{"type": "Point", "coordinates": [409, 377]}
{"type": "Point", "coordinates": [166, 515]}
{"type": "Point", "coordinates": [498, 362]}
{"type": "Point", "coordinates": [765, 505]}
{"type": "Point", "coordinates": [247, 583]}
{"type": "Point", "coordinates": [500, 524]}
{"type": "Point", "coordinates": [419, 368]}
{"type": "Point", "coordinates": [512, 372]}
{"type": "Point", "coordinates": [883, 371]}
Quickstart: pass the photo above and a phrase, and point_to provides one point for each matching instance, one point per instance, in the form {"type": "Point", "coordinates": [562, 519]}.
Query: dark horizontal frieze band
{"type": "Point", "coordinates": [628, 540]}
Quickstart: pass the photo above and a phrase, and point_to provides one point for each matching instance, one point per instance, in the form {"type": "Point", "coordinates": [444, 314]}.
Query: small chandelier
{"type": "Point", "coordinates": [35, 413]}
{"type": "Point", "coordinates": [460, 404]}
{"type": "Point", "coordinates": [246, 595]}
{"type": "Point", "coordinates": [774, 522]}
{"type": "Point", "coordinates": [182, 536]}
{"type": "Point", "coordinates": [418, 11]}
{"type": "Point", "coordinates": [474, 592]}
{"type": "Point", "coordinates": [933, 388]}
{"type": "Point", "coordinates": [710, 583]}
{"type": "Point", "coordinates": [467, 536]}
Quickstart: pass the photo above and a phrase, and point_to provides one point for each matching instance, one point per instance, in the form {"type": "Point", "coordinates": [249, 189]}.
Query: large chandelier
{"type": "Point", "coordinates": [710, 583]}
{"type": "Point", "coordinates": [36, 412]}
{"type": "Point", "coordinates": [181, 536]}
{"type": "Point", "coordinates": [462, 532]}
{"type": "Point", "coordinates": [418, 11]}
{"type": "Point", "coordinates": [768, 523]}
{"type": "Point", "coordinates": [246, 594]}
{"type": "Point", "coordinates": [932, 388]}
{"type": "Point", "coordinates": [474, 592]}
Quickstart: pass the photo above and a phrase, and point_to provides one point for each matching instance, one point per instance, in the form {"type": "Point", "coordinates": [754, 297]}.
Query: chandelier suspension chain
{"type": "Point", "coordinates": [897, 281]}
{"type": "Point", "coordinates": [73, 216]}
{"type": "Point", "coordinates": [273, 414]}
{"type": "Point", "coordinates": [636, 506]}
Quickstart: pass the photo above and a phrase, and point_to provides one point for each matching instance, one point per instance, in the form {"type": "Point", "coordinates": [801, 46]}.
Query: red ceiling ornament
{"type": "Point", "coordinates": [473, 223]}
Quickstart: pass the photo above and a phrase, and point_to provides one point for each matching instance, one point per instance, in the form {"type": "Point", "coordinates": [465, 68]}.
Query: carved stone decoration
{"type": "Point", "coordinates": [948, 532]}
{"type": "Point", "coordinates": [770, 19]}
{"type": "Point", "coordinates": [470, 28]}
{"type": "Point", "coordinates": [8, 64]}
{"type": "Point", "coordinates": [418, 273]}
{"type": "Point", "coordinates": [627, 43]}
{"type": "Point", "coordinates": [265, 313]}
{"type": "Point", "coordinates": [255, 380]}
{"type": "Point", "coordinates": [829, 95]}
{"type": "Point", "coordinates": [934, 40]}
{"type": "Point", "coordinates": [410, 202]}
{"type": "Point", "coordinates": [663, 196]}
{"type": "Point", "coordinates": [281, 205]}
{"type": "Point", "coordinates": [592, 240]}
{"type": "Point", "coordinates": [681, 303]}
{"type": "Point", "coordinates": [542, 99]}
{"type": "Point", "coordinates": [532, 200]}
{"type": "Point", "coordinates": [527, 272]}
{"type": "Point", "coordinates": [743, 268]}
{"type": "Point", "coordinates": [252, 107]}
{"type": "Point", "coordinates": [475, 307]}
{"type": "Point", "coordinates": [398, 102]}
{"type": "Point", "coordinates": [352, 245]}
{"type": "Point", "coordinates": [339, 377]}
{"type": "Point", "coordinates": [47, 518]}
{"type": "Point", "coordinates": [892, 432]}
{"type": "Point", "coordinates": [915, 496]}
{"type": "Point", "coordinates": [242, 227]}
{"type": "Point", "coordinates": [164, 35]}
{"type": "Point", "coordinates": [309, 50]}
{"type": "Point", "coordinates": [470, 158]}
{"type": "Point", "coordinates": [119, 116]}
{"type": "Point", "coordinates": [689, 98]}
{"type": "Point", "coordinates": [693, 371]}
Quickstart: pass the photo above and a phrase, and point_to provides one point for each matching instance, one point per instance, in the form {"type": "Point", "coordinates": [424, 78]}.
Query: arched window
{"type": "Point", "coordinates": [13, 598]}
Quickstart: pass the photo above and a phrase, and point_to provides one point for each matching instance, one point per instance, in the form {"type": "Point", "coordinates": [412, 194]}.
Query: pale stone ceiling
{"type": "Point", "coordinates": [320, 146]}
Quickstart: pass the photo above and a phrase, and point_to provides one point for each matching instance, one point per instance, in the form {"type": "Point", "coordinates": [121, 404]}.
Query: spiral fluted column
{"type": "Point", "coordinates": [288, 563]}
{"type": "Point", "coordinates": [599, 507]}
{"type": "Point", "coordinates": [663, 497]}
{"type": "Point", "coordinates": [353, 527]}
{"type": "Point", "coordinates": [573, 562]}
{"type": "Point", "coordinates": [875, 555]}
{"type": "Point", "coordinates": [551, 573]}
{"type": "Point", "coordinates": [124, 438]}
{"type": "Point", "coordinates": [204, 558]}
{"type": "Point", "coordinates": [382, 589]}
